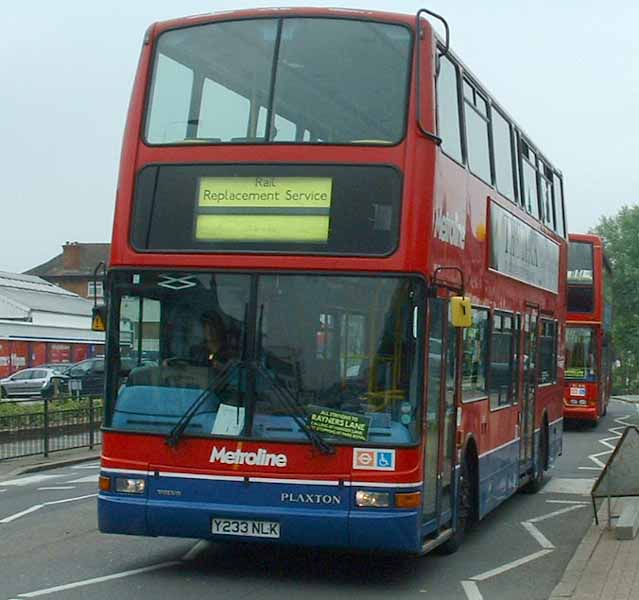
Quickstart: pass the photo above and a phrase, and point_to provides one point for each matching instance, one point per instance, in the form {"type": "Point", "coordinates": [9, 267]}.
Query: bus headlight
{"type": "Point", "coordinates": [372, 499]}
{"type": "Point", "coordinates": [126, 485]}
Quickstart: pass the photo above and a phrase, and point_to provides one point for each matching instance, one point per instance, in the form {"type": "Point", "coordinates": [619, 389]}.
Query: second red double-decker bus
{"type": "Point", "coordinates": [588, 330]}
{"type": "Point", "coordinates": [311, 203]}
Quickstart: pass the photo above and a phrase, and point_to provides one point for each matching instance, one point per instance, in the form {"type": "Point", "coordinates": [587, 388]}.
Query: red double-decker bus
{"type": "Point", "coordinates": [339, 263]}
{"type": "Point", "coordinates": [588, 330]}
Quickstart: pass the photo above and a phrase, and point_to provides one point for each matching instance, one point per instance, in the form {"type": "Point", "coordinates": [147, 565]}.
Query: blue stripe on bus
{"type": "Point", "coordinates": [189, 514]}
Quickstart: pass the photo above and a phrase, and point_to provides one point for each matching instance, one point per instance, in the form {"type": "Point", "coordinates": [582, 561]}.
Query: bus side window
{"type": "Point", "coordinates": [477, 125]}
{"type": "Point", "coordinates": [559, 205]}
{"type": "Point", "coordinates": [546, 196]}
{"type": "Point", "coordinates": [529, 195]}
{"type": "Point", "coordinates": [475, 348]}
{"type": "Point", "coordinates": [502, 361]}
{"type": "Point", "coordinates": [504, 152]}
{"type": "Point", "coordinates": [448, 120]}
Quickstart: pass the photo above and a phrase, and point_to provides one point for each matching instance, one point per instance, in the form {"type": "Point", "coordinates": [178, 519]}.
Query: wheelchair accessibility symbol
{"type": "Point", "coordinates": [370, 459]}
{"type": "Point", "coordinates": [385, 460]}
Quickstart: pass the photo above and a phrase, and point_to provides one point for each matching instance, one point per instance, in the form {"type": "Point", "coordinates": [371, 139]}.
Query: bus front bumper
{"type": "Point", "coordinates": [363, 529]}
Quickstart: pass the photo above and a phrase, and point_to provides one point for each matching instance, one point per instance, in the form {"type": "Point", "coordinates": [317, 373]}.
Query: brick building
{"type": "Point", "coordinates": [73, 269]}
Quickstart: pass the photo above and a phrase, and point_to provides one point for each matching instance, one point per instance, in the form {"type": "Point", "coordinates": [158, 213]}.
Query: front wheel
{"type": "Point", "coordinates": [465, 503]}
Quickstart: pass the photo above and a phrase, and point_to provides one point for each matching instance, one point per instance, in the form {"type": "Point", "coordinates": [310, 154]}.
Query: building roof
{"type": "Point", "coordinates": [20, 294]}
{"type": "Point", "coordinates": [88, 257]}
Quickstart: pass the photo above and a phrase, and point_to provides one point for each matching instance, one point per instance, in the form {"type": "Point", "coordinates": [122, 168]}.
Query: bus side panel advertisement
{"type": "Point", "coordinates": [517, 250]}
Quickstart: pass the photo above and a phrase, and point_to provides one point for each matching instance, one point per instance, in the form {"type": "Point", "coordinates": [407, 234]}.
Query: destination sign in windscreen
{"type": "Point", "coordinates": [274, 209]}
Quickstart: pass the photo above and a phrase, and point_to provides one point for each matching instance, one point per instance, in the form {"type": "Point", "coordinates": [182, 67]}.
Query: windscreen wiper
{"type": "Point", "coordinates": [297, 411]}
{"type": "Point", "coordinates": [216, 385]}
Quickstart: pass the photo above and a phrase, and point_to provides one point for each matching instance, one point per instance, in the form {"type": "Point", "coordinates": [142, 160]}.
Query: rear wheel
{"type": "Point", "coordinates": [535, 484]}
{"type": "Point", "coordinates": [465, 512]}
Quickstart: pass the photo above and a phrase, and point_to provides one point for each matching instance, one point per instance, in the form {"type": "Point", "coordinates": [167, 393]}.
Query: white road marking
{"type": "Point", "coordinates": [543, 541]}
{"type": "Point", "coordinates": [21, 481]}
{"type": "Point", "coordinates": [472, 591]}
{"type": "Point", "coordinates": [559, 485]}
{"type": "Point", "coordinates": [607, 442]}
{"type": "Point", "coordinates": [88, 479]}
{"type": "Point", "coordinates": [39, 506]}
{"type": "Point", "coordinates": [595, 457]}
{"type": "Point", "coordinates": [567, 502]}
{"type": "Point", "coordinates": [556, 513]}
{"type": "Point", "coordinates": [199, 547]}
{"type": "Point", "coordinates": [59, 487]}
{"type": "Point", "coordinates": [590, 468]}
{"type": "Point", "coordinates": [21, 514]}
{"type": "Point", "coordinates": [91, 466]}
{"type": "Point", "coordinates": [77, 584]}
{"type": "Point", "coordinates": [511, 565]}
{"type": "Point", "coordinates": [70, 499]}
{"type": "Point", "coordinates": [2, 490]}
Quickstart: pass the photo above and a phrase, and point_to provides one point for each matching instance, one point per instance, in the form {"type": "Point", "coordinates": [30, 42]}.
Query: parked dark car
{"type": "Point", "coordinates": [87, 377]}
{"type": "Point", "coordinates": [38, 381]}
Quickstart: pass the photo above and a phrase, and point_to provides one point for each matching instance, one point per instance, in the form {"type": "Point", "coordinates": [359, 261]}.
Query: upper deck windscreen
{"type": "Point", "coordinates": [580, 277]}
{"type": "Point", "coordinates": [299, 80]}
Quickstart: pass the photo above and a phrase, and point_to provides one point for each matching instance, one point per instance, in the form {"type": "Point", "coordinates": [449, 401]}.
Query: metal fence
{"type": "Point", "coordinates": [48, 428]}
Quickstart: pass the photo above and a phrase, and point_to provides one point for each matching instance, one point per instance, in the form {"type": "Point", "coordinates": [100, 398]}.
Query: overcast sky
{"type": "Point", "coordinates": [566, 70]}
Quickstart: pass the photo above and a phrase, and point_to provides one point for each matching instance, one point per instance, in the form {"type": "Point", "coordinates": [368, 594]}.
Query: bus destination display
{"type": "Point", "coordinates": [274, 209]}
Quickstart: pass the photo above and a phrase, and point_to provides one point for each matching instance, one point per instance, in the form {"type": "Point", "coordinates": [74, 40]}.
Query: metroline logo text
{"type": "Point", "coordinates": [261, 458]}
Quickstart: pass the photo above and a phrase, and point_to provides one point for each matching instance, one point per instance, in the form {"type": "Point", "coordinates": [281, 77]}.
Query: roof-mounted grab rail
{"type": "Point", "coordinates": [419, 37]}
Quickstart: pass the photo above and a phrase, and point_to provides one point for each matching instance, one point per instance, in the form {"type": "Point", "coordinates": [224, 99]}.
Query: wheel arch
{"type": "Point", "coordinates": [470, 455]}
{"type": "Point", "coordinates": [545, 429]}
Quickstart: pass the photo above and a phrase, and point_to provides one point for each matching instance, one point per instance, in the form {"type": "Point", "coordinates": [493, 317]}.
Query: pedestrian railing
{"type": "Point", "coordinates": [46, 426]}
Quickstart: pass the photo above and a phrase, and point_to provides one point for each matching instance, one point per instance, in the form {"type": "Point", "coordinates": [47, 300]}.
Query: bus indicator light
{"type": "Point", "coordinates": [408, 499]}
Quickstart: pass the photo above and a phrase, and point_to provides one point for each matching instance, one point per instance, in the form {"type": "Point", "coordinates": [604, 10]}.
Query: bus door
{"type": "Point", "coordinates": [527, 414]}
{"type": "Point", "coordinates": [439, 459]}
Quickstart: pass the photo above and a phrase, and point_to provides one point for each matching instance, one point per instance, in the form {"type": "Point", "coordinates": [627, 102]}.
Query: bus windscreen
{"type": "Point", "coordinates": [288, 80]}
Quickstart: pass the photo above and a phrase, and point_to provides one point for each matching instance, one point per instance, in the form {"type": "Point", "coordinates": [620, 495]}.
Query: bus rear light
{"type": "Point", "coordinates": [104, 483]}
{"type": "Point", "coordinates": [408, 500]}
{"type": "Point", "coordinates": [128, 485]}
{"type": "Point", "coordinates": [367, 499]}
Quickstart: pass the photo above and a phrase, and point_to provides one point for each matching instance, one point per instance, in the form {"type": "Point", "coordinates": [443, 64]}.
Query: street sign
{"type": "Point", "coordinates": [75, 385]}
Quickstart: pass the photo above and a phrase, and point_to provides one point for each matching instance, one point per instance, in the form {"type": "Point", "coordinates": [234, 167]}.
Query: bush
{"type": "Point", "coordinates": [8, 409]}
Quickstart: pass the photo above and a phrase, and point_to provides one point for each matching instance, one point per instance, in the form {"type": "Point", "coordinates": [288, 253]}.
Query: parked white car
{"type": "Point", "coordinates": [37, 381]}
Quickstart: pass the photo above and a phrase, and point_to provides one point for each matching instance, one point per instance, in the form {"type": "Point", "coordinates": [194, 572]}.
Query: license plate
{"type": "Point", "coordinates": [577, 391]}
{"type": "Point", "coordinates": [264, 529]}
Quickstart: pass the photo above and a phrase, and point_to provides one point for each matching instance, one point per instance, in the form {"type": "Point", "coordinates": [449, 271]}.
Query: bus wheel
{"type": "Point", "coordinates": [535, 484]}
{"type": "Point", "coordinates": [465, 503]}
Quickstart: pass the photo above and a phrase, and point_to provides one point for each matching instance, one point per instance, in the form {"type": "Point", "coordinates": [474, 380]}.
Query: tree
{"type": "Point", "coordinates": [621, 242]}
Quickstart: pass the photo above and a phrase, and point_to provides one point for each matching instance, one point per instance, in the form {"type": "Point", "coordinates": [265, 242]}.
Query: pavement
{"type": "Point", "coordinates": [602, 568]}
{"type": "Point", "coordinates": [31, 464]}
